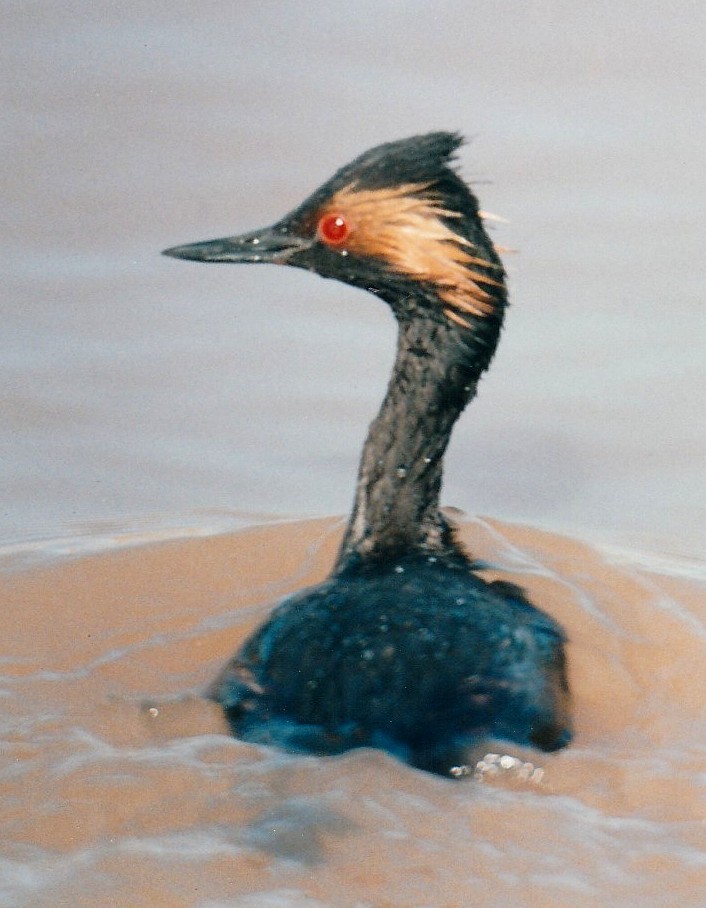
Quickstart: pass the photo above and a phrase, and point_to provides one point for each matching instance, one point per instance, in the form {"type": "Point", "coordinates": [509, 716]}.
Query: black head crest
{"type": "Point", "coordinates": [418, 159]}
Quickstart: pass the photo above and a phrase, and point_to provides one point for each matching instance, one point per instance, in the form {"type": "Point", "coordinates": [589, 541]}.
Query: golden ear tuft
{"type": "Point", "coordinates": [405, 227]}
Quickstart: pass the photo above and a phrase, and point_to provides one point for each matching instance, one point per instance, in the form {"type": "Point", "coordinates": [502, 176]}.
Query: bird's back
{"type": "Point", "coordinates": [420, 657]}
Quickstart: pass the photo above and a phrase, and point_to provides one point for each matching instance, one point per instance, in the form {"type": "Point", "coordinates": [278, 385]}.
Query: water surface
{"type": "Point", "coordinates": [158, 418]}
{"type": "Point", "coordinates": [121, 783]}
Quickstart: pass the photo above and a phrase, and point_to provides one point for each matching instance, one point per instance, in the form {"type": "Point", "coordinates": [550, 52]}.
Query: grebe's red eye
{"type": "Point", "coordinates": [334, 229]}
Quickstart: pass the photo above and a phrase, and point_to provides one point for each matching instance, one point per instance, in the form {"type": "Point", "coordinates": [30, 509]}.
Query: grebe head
{"type": "Point", "coordinates": [397, 221]}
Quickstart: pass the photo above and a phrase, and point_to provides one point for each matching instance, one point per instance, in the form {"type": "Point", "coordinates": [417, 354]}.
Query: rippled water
{"type": "Point", "coordinates": [149, 406]}
{"type": "Point", "coordinates": [121, 785]}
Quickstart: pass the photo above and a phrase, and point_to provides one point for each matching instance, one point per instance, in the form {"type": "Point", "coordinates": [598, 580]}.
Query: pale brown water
{"type": "Point", "coordinates": [145, 400]}
{"type": "Point", "coordinates": [122, 787]}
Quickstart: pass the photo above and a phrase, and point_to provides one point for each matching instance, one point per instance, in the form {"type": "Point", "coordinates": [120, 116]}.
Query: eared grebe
{"type": "Point", "coordinates": [403, 647]}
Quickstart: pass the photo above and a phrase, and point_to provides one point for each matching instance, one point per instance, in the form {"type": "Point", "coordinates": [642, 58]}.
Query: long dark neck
{"type": "Point", "coordinates": [396, 508]}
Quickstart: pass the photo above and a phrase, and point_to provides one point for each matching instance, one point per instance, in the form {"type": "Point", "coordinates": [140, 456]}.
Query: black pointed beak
{"type": "Point", "coordinates": [273, 244]}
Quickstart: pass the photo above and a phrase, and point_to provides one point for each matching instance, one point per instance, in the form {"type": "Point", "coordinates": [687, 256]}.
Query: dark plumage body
{"type": "Point", "coordinates": [404, 646]}
{"type": "Point", "coordinates": [419, 657]}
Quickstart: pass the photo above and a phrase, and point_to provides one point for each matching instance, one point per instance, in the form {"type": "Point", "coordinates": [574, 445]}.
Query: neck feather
{"type": "Point", "coordinates": [396, 508]}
